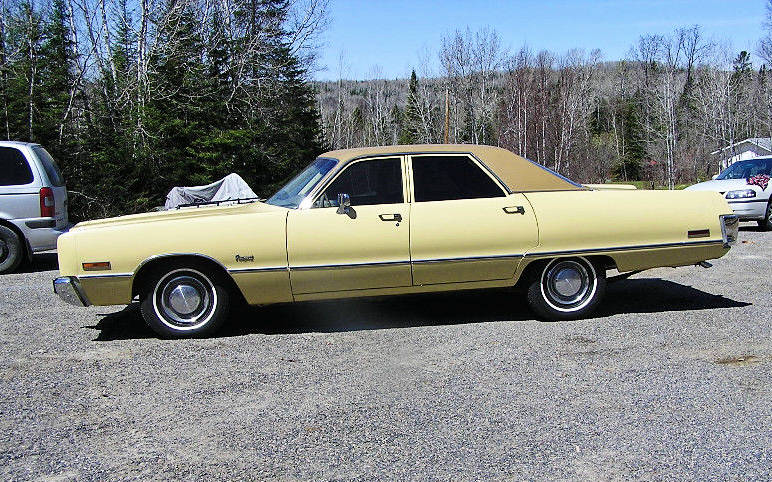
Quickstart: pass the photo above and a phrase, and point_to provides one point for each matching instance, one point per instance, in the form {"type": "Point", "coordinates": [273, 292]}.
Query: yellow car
{"type": "Point", "coordinates": [388, 221]}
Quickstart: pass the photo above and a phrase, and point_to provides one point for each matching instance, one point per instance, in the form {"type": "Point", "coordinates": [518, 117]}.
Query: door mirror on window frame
{"type": "Point", "coordinates": [344, 203]}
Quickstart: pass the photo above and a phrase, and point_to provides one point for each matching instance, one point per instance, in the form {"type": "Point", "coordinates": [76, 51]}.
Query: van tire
{"type": "Point", "coordinates": [766, 223]}
{"type": "Point", "coordinates": [12, 250]}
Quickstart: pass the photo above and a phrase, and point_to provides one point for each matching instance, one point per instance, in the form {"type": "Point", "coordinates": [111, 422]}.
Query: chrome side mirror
{"type": "Point", "coordinates": [344, 203]}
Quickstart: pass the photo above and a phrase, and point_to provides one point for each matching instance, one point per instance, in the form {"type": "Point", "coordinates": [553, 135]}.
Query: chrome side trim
{"type": "Point", "coordinates": [628, 248]}
{"type": "Point", "coordinates": [348, 265]}
{"type": "Point", "coordinates": [106, 275]}
{"type": "Point", "coordinates": [467, 258]}
{"type": "Point", "coordinates": [257, 270]}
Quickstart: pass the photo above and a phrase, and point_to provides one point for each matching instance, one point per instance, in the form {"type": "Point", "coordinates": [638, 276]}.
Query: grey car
{"type": "Point", "coordinates": [33, 203]}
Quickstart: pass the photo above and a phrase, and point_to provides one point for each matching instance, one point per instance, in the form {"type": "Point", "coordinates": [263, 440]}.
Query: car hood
{"type": "Point", "coordinates": [724, 185]}
{"type": "Point", "coordinates": [178, 214]}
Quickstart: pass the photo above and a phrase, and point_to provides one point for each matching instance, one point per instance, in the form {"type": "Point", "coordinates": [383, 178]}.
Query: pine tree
{"type": "Point", "coordinates": [411, 119]}
{"type": "Point", "coordinates": [24, 37]}
{"type": "Point", "coordinates": [57, 82]}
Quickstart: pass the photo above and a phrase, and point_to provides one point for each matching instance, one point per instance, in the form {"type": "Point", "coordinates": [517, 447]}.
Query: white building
{"type": "Point", "coordinates": [747, 149]}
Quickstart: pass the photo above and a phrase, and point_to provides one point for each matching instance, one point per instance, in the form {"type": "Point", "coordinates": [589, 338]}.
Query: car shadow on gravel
{"type": "Point", "coordinates": [651, 295]}
{"type": "Point", "coordinates": [645, 295]}
{"type": "Point", "coordinates": [752, 227]}
{"type": "Point", "coordinates": [40, 262]}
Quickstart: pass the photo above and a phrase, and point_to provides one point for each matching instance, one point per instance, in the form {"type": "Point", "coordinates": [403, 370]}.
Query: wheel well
{"type": "Point", "coordinates": [150, 268]}
{"type": "Point", "coordinates": [533, 267]}
{"type": "Point", "coordinates": [15, 229]}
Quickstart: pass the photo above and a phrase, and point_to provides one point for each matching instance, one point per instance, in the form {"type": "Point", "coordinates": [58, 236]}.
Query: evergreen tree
{"type": "Point", "coordinates": [57, 83]}
{"type": "Point", "coordinates": [25, 34]}
{"type": "Point", "coordinates": [411, 120]}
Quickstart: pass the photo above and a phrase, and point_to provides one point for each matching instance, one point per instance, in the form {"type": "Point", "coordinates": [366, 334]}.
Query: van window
{"type": "Point", "coordinates": [52, 169]}
{"type": "Point", "coordinates": [14, 170]}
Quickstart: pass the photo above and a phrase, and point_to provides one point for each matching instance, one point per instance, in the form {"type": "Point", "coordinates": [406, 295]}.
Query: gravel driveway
{"type": "Point", "coordinates": [671, 379]}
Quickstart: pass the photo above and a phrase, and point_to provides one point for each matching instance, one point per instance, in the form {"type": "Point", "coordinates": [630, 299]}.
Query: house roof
{"type": "Point", "coordinates": [762, 142]}
{"type": "Point", "coordinates": [517, 173]}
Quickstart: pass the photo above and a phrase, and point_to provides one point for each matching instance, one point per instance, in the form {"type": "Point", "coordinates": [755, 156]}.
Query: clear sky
{"type": "Point", "coordinates": [394, 34]}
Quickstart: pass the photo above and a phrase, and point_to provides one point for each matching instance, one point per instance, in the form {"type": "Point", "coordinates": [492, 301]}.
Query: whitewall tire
{"type": "Point", "coordinates": [184, 302]}
{"type": "Point", "coordinates": [566, 289]}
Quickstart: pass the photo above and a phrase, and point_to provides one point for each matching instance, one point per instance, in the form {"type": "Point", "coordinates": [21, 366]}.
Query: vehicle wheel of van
{"type": "Point", "coordinates": [566, 289]}
{"type": "Point", "coordinates": [766, 223]}
{"type": "Point", "coordinates": [11, 250]}
{"type": "Point", "coordinates": [185, 302]}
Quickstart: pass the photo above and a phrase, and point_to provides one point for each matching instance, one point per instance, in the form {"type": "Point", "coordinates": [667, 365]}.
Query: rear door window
{"type": "Point", "coordinates": [445, 178]}
{"type": "Point", "coordinates": [52, 169]}
{"type": "Point", "coordinates": [14, 169]}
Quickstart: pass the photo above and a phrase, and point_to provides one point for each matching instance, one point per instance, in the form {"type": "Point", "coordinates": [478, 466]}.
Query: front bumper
{"type": "Point", "coordinates": [68, 288]}
{"type": "Point", "coordinates": [753, 209]}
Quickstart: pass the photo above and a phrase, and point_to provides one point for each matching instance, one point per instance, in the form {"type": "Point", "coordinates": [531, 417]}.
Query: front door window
{"type": "Point", "coordinates": [377, 181]}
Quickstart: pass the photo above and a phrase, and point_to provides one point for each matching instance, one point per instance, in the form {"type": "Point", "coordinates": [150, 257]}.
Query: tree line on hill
{"type": "Point", "coordinates": [135, 96]}
{"type": "Point", "coordinates": [655, 116]}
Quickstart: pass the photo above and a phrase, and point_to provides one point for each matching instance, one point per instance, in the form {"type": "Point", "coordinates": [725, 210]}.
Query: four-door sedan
{"type": "Point", "coordinates": [388, 221]}
{"type": "Point", "coordinates": [746, 186]}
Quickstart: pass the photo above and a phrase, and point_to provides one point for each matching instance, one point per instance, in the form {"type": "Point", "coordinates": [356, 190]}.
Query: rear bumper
{"type": "Point", "coordinates": [68, 288]}
{"type": "Point", "coordinates": [749, 209]}
{"type": "Point", "coordinates": [39, 233]}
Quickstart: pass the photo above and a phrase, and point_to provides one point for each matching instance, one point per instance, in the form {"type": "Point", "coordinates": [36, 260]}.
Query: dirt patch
{"type": "Point", "coordinates": [739, 361]}
{"type": "Point", "coordinates": [580, 340]}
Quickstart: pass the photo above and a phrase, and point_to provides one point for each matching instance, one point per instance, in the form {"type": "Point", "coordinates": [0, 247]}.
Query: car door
{"type": "Point", "coordinates": [364, 248]}
{"type": "Point", "coordinates": [464, 225]}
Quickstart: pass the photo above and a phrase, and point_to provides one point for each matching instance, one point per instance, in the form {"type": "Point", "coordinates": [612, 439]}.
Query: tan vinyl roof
{"type": "Point", "coordinates": [518, 173]}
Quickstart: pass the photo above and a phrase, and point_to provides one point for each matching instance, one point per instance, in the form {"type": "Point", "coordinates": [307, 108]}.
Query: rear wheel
{"type": "Point", "coordinates": [11, 250]}
{"type": "Point", "coordinates": [184, 302]}
{"type": "Point", "coordinates": [766, 223]}
{"type": "Point", "coordinates": [566, 289]}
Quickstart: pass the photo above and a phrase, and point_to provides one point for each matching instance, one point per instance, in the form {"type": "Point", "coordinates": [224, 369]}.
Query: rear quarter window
{"type": "Point", "coordinates": [50, 166]}
{"type": "Point", "coordinates": [14, 169]}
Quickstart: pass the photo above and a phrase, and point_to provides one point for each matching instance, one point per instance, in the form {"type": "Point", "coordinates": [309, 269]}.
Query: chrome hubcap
{"type": "Point", "coordinates": [568, 284]}
{"type": "Point", "coordinates": [185, 299]}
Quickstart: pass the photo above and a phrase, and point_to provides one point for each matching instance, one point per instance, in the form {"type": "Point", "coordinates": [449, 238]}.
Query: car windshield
{"type": "Point", "coordinates": [293, 193]}
{"type": "Point", "coordinates": [747, 169]}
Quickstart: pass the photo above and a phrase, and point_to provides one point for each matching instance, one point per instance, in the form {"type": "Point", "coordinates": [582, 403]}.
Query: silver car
{"type": "Point", "coordinates": [33, 203]}
{"type": "Point", "coordinates": [747, 188]}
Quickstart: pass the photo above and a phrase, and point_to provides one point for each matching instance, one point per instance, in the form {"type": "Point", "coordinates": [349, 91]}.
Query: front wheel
{"type": "Point", "coordinates": [185, 302]}
{"type": "Point", "coordinates": [566, 289]}
{"type": "Point", "coordinates": [766, 223]}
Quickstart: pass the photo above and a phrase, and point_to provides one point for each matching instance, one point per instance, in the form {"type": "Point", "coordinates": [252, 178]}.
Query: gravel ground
{"type": "Point", "coordinates": [671, 379]}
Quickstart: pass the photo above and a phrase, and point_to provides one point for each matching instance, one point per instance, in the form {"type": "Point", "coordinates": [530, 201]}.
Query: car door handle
{"type": "Point", "coordinates": [514, 210]}
{"type": "Point", "coordinates": [390, 217]}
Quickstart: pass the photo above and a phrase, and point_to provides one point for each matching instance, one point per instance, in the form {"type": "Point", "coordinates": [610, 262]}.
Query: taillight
{"type": "Point", "coordinates": [47, 202]}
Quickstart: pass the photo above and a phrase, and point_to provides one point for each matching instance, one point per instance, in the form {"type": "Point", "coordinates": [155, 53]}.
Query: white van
{"type": "Point", "coordinates": [33, 203]}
